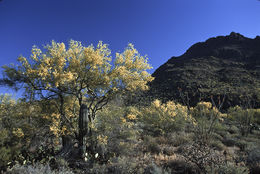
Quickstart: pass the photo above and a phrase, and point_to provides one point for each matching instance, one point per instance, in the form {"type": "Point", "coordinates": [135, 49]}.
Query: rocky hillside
{"type": "Point", "coordinates": [223, 65]}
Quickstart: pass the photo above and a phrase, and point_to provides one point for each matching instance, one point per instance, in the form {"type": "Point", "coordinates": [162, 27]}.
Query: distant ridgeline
{"type": "Point", "coordinates": [224, 65]}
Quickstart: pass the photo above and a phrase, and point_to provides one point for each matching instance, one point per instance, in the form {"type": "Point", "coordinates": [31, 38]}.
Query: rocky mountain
{"type": "Point", "coordinates": [221, 66]}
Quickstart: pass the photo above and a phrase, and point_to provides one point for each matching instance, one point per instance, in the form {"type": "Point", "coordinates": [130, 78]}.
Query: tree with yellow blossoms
{"type": "Point", "coordinates": [87, 73]}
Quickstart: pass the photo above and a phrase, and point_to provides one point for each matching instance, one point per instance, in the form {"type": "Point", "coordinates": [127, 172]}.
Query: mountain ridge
{"type": "Point", "coordinates": [220, 66]}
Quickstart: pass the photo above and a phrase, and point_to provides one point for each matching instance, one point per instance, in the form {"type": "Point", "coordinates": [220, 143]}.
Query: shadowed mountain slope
{"type": "Point", "coordinates": [221, 66]}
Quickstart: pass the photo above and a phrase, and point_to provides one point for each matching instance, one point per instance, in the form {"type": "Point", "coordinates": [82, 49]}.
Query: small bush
{"type": "Point", "coordinates": [242, 144]}
{"type": "Point", "coordinates": [229, 168]}
{"type": "Point", "coordinates": [207, 120]}
{"type": "Point", "coordinates": [217, 136]}
{"type": "Point", "coordinates": [114, 134]}
{"type": "Point", "coordinates": [229, 141]}
{"type": "Point", "coordinates": [179, 166]}
{"type": "Point", "coordinates": [160, 119]}
{"type": "Point", "coordinates": [155, 169]}
{"type": "Point", "coordinates": [218, 145]}
{"type": "Point", "coordinates": [180, 139]}
{"type": "Point", "coordinates": [37, 169]}
{"type": "Point", "coordinates": [245, 118]}
{"type": "Point", "coordinates": [151, 145]}
{"type": "Point", "coordinates": [201, 155]}
{"type": "Point", "coordinates": [233, 129]}
{"type": "Point", "coordinates": [118, 165]}
{"type": "Point", "coordinates": [168, 150]}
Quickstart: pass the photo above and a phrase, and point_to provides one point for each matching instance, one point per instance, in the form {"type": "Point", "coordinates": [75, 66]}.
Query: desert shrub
{"type": "Point", "coordinates": [233, 129]}
{"type": "Point", "coordinates": [242, 144]}
{"type": "Point", "coordinates": [163, 118]}
{"type": "Point", "coordinates": [217, 144]}
{"type": "Point", "coordinates": [151, 145]}
{"type": "Point", "coordinates": [162, 140]}
{"type": "Point", "coordinates": [179, 166]}
{"type": "Point", "coordinates": [257, 116]}
{"type": "Point", "coordinates": [155, 169]}
{"type": "Point", "coordinates": [217, 136]}
{"type": "Point", "coordinates": [251, 146]}
{"type": "Point", "coordinates": [168, 150]}
{"type": "Point", "coordinates": [207, 117]}
{"type": "Point", "coordinates": [201, 155]}
{"type": "Point", "coordinates": [118, 165]}
{"type": "Point", "coordinates": [37, 169]}
{"type": "Point", "coordinates": [229, 141]}
{"type": "Point", "coordinates": [23, 130]}
{"type": "Point", "coordinates": [10, 135]}
{"type": "Point", "coordinates": [5, 156]}
{"type": "Point", "coordinates": [253, 156]}
{"type": "Point", "coordinates": [113, 133]}
{"type": "Point", "coordinates": [228, 168]}
{"type": "Point", "coordinates": [244, 118]}
{"type": "Point", "coordinates": [220, 127]}
{"type": "Point", "coordinates": [181, 138]}
{"type": "Point", "coordinates": [57, 163]}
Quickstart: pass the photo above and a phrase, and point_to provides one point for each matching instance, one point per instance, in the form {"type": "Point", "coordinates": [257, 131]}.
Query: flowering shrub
{"type": "Point", "coordinates": [205, 110]}
{"type": "Point", "coordinates": [113, 132]}
{"type": "Point", "coordinates": [23, 128]}
{"type": "Point", "coordinates": [162, 118]}
{"type": "Point", "coordinates": [206, 117]}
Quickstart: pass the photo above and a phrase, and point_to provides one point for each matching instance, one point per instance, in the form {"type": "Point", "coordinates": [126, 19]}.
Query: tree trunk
{"type": "Point", "coordinates": [83, 128]}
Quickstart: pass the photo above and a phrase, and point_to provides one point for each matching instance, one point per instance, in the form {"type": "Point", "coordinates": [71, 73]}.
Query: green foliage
{"type": "Point", "coordinates": [151, 145]}
{"type": "Point", "coordinates": [155, 169]}
{"type": "Point", "coordinates": [11, 134]}
{"type": "Point", "coordinates": [216, 144]}
{"type": "Point", "coordinates": [37, 169]}
{"type": "Point", "coordinates": [118, 165]}
{"type": "Point", "coordinates": [86, 73]}
{"type": "Point", "coordinates": [207, 118]}
{"type": "Point", "coordinates": [5, 156]}
{"type": "Point", "coordinates": [154, 137]}
{"type": "Point", "coordinates": [233, 129]}
{"type": "Point", "coordinates": [229, 168]}
{"type": "Point", "coordinates": [180, 138]}
{"type": "Point", "coordinates": [161, 119]}
{"type": "Point", "coordinates": [256, 116]}
{"type": "Point", "coordinates": [113, 132]}
{"type": "Point", "coordinates": [22, 128]}
{"type": "Point", "coordinates": [245, 118]}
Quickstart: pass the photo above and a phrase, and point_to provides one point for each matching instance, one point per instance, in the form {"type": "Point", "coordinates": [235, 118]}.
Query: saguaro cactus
{"type": "Point", "coordinates": [83, 127]}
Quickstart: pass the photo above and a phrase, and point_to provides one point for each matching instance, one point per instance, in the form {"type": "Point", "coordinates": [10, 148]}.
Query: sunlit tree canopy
{"type": "Point", "coordinates": [89, 74]}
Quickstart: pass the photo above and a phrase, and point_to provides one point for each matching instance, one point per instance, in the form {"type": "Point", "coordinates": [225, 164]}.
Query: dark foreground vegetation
{"type": "Point", "coordinates": [158, 138]}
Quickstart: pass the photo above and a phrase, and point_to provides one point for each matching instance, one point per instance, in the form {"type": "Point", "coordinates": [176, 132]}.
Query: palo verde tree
{"type": "Point", "coordinates": [85, 73]}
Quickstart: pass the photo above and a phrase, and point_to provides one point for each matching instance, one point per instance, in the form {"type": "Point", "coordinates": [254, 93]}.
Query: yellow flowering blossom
{"type": "Point", "coordinates": [164, 117]}
{"type": "Point", "coordinates": [102, 139]}
{"type": "Point", "coordinates": [123, 120]}
{"type": "Point", "coordinates": [77, 70]}
{"type": "Point", "coordinates": [59, 67]}
{"type": "Point", "coordinates": [156, 103]}
{"type": "Point", "coordinates": [131, 117]}
{"type": "Point", "coordinates": [18, 132]}
{"type": "Point", "coordinates": [205, 109]}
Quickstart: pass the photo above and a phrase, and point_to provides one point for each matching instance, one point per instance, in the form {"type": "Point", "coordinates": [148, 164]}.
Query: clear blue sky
{"type": "Point", "coordinates": [159, 28]}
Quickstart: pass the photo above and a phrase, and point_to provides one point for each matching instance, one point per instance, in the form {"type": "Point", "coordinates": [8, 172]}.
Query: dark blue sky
{"type": "Point", "coordinates": [159, 28]}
